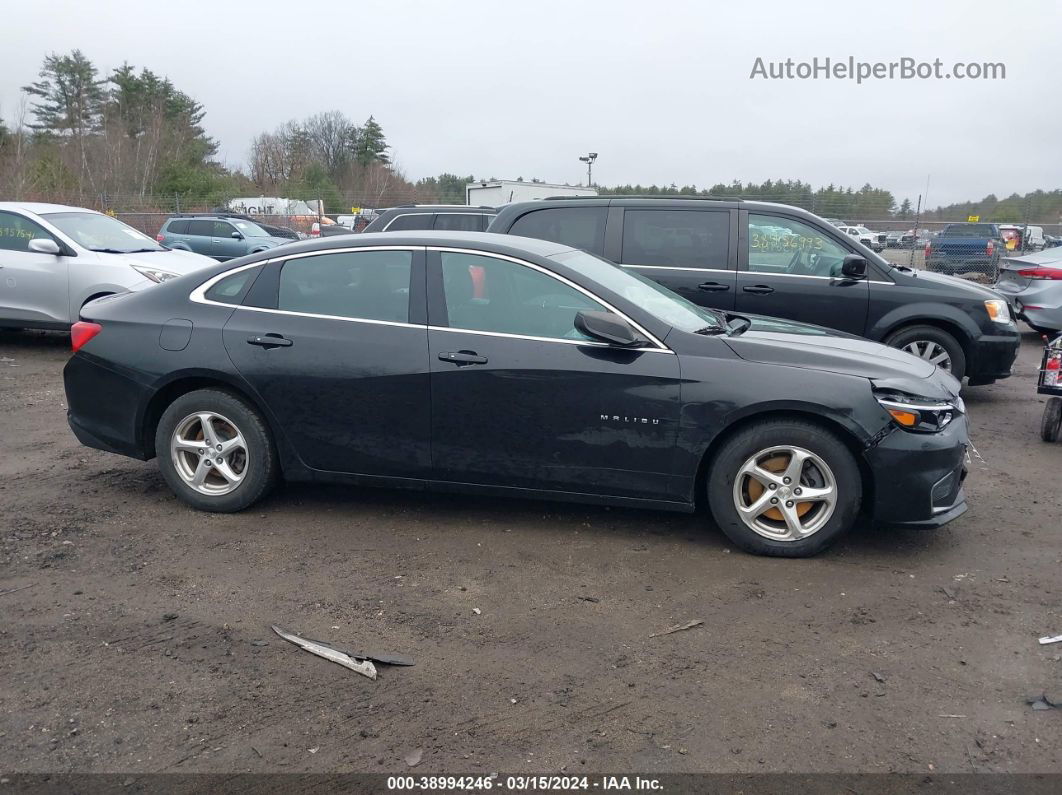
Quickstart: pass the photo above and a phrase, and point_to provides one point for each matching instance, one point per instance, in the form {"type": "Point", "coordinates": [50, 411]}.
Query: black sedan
{"type": "Point", "coordinates": [503, 365]}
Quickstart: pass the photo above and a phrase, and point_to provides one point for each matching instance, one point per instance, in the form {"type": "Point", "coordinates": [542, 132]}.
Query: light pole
{"type": "Point", "coordinates": [589, 160]}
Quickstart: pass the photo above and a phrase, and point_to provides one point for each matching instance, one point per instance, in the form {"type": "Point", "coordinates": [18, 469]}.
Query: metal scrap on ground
{"type": "Point", "coordinates": [1050, 639]}
{"type": "Point", "coordinates": [365, 668]}
{"type": "Point", "coordinates": [678, 628]}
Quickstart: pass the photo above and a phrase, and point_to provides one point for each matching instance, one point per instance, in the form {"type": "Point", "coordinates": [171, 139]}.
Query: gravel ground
{"type": "Point", "coordinates": [140, 638]}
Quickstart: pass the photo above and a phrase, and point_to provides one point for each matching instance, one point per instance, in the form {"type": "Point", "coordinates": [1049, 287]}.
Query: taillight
{"type": "Point", "coordinates": [81, 332]}
{"type": "Point", "coordinates": [1052, 369]}
{"type": "Point", "coordinates": [160, 237]}
{"type": "Point", "coordinates": [990, 248]}
{"type": "Point", "coordinates": [315, 230]}
{"type": "Point", "coordinates": [1054, 274]}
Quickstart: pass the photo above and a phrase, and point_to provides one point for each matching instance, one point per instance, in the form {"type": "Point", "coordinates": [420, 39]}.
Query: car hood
{"type": "Point", "coordinates": [776, 341]}
{"type": "Point", "coordinates": [172, 260]}
{"type": "Point", "coordinates": [975, 291]}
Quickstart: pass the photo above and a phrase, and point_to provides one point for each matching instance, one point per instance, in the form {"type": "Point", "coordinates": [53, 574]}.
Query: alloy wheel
{"type": "Point", "coordinates": [932, 352]}
{"type": "Point", "coordinates": [209, 453]}
{"type": "Point", "coordinates": [785, 493]}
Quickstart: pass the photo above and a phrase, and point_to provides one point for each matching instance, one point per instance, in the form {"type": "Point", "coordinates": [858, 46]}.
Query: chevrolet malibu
{"type": "Point", "coordinates": [502, 365]}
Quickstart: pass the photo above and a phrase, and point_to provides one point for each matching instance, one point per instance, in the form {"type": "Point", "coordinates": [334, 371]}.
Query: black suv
{"type": "Point", "coordinates": [440, 217]}
{"type": "Point", "coordinates": [771, 259]}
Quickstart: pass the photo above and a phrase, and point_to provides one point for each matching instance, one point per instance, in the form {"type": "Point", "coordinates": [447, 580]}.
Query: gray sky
{"type": "Point", "coordinates": [660, 90]}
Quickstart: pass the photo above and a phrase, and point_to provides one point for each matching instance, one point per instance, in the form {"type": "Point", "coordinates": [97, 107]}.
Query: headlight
{"type": "Point", "coordinates": [154, 274]}
{"type": "Point", "coordinates": [998, 310]}
{"type": "Point", "coordinates": [922, 415]}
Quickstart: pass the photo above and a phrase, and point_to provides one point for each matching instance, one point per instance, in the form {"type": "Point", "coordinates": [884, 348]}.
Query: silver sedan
{"type": "Point", "coordinates": [1033, 284]}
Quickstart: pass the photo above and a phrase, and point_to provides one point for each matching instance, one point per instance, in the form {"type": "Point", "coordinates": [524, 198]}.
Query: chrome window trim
{"type": "Point", "coordinates": [809, 276]}
{"type": "Point", "coordinates": [676, 268]}
{"type": "Point", "coordinates": [404, 215]}
{"type": "Point", "coordinates": [506, 335]}
{"type": "Point", "coordinates": [658, 345]}
{"type": "Point", "coordinates": [329, 317]}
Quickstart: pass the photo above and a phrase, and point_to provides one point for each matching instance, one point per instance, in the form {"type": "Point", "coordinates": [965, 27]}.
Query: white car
{"type": "Point", "coordinates": [54, 259]}
{"type": "Point", "coordinates": [872, 240]}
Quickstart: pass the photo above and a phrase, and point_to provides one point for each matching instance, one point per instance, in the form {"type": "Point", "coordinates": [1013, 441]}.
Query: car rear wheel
{"type": "Point", "coordinates": [215, 452]}
{"type": "Point", "coordinates": [932, 344]}
{"type": "Point", "coordinates": [785, 488]}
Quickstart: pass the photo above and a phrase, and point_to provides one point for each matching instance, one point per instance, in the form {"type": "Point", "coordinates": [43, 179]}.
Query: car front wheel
{"type": "Point", "coordinates": [215, 451]}
{"type": "Point", "coordinates": [784, 487]}
{"type": "Point", "coordinates": [934, 345]}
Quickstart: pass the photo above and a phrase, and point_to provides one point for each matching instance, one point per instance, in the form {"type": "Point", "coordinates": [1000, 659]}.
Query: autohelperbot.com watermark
{"type": "Point", "coordinates": [850, 69]}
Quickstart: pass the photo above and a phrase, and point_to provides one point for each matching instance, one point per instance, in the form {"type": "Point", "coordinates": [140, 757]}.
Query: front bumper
{"type": "Point", "coordinates": [918, 477]}
{"type": "Point", "coordinates": [992, 356]}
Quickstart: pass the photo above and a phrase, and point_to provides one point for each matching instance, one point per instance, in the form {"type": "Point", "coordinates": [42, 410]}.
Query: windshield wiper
{"type": "Point", "coordinates": [124, 250]}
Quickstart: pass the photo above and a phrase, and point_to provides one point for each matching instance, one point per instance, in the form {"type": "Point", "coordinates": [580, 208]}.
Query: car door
{"type": "Point", "coordinates": [686, 250]}
{"type": "Point", "coordinates": [335, 344]}
{"type": "Point", "coordinates": [199, 236]}
{"type": "Point", "coordinates": [34, 287]}
{"type": "Point", "coordinates": [791, 269]}
{"type": "Point", "coordinates": [520, 398]}
{"type": "Point", "coordinates": [224, 244]}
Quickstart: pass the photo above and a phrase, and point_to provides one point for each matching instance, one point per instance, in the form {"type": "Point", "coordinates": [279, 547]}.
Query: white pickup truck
{"type": "Point", "coordinates": [872, 240]}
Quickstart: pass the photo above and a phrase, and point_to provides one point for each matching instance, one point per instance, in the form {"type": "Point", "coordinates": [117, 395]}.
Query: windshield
{"type": "Point", "coordinates": [98, 232]}
{"type": "Point", "coordinates": [248, 229]}
{"type": "Point", "coordinates": [654, 298]}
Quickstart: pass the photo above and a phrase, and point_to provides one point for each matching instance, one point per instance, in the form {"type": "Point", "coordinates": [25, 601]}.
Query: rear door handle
{"type": "Point", "coordinates": [270, 341]}
{"type": "Point", "coordinates": [461, 358]}
{"type": "Point", "coordinates": [758, 289]}
{"type": "Point", "coordinates": [713, 287]}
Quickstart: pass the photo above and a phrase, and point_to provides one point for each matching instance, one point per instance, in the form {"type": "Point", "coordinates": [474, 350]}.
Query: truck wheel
{"type": "Point", "coordinates": [785, 488]}
{"type": "Point", "coordinates": [1052, 421]}
{"type": "Point", "coordinates": [932, 344]}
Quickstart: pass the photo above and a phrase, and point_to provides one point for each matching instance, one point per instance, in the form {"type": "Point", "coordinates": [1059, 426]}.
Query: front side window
{"type": "Point", "coordinates": [364, 285]}
{"type": "Point", "coordinates": [578, 227]}
{"type": "Point", "coordinates": [679, 238]}
{"type": "Point", "coordinates": [410, 222]}
{"type": "Point", "coordinates": [16, 232]}
{"type": "Point", "coordinates": [488, 294]}
{"type": "Point", "coordinates": [98, 232]}
{"type": "Point", "coordinates": [782, 245]}
{"type": "Point", "coordinates": [222, 229]}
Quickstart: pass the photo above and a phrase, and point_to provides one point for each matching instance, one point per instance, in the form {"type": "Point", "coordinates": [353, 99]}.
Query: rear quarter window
{"type": "Point", "coordinates": [578, 227]}
{"type": "Point", "coordinates": [232, 289]}
{"type": "Point", "coordinates": [177, 228]}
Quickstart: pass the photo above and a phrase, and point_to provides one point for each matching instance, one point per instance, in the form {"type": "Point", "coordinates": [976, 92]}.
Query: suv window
{"type": "Point", "coordinates": [488, 294]}
{"type": "Point", "coordinates": [459, 222]}
{"type": "Point", "coordinates": [409, 221]}
{"type": "Point", "coordinates": [578, 227]}
{"type": "Point", "coordinates": [782, 245]}
{"type": "Point", "coordinates": [177, 227]}
{"type": "Point", "coordinates": [682, 238]}
{"type": "Point", "coordinates": [367, 285]}
{"type": "Point", "coordinates": [201, 228]}
{"type": "Point", "coordinates": [223, 229]}
{"type": "Point", "coordinates": [16, 232]}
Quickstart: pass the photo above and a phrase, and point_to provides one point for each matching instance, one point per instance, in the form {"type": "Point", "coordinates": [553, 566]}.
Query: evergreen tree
{"type": "Point", "coordinates": [69, 95]}
{"type": "Point", "coordinates": [371, 145]}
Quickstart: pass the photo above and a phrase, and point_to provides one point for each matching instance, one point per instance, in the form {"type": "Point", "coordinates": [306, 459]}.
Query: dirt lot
{"type": "Point", "coordinates": [142, 641]}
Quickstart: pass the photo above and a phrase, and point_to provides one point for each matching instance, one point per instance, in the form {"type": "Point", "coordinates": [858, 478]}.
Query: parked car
{"type": "Point", "coordinates": [893, 239]}
{"type": "Point", "coordinates": [273, 229]}
{"type": "Point", "coordinates": [220, 237]}
{"type": "Point", "coordinates": [1022, 238]}
{"type": "Point", "coordinates": [440, 217]}
{"type": "Point", "coordinates": [1052, 241]}
{"type": "Point", "coordinates": [54, 259]}
{"type": "Point", "coordinates": [875, 241]}
{"type": "Point", "coordinates": [965, 248]}
{"type": "Point", "coordinates": [1033, 282]}
{"type": "Point", "coordinates": [481, 363]}
{"type": "Point", "coordinates": [731, 255]}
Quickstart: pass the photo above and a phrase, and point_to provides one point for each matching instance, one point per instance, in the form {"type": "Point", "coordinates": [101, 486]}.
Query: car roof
{"type": "Point", "coordinates": [437, 208]}
{"type": "Point", "coordinates": [498, 244]}
{"type": "Point", "coordinates": [43, 208]}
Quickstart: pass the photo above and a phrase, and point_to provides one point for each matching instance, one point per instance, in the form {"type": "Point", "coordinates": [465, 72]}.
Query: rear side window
{"type": "Point", "coordinates": [677, 238]}
{"type": "Point", "coordinates": [177, 228]}
{"type": "Point", "coordinates": [409, 221]}
{"type": "Point", "coordinates": [201, 228]}
{"type": "Point", "coordinates": [364, 285]}
{"type": "Point", "coordinates": [16, 232]}
{"type": "Point", "coordinates": [578, 227]}
{"type": "Point", "coordinates": [232, 289]}
{"type": "Point", "coordinates": [459, 222]}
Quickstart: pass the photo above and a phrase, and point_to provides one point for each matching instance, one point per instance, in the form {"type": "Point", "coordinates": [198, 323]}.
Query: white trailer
{"type": "Point", "coordinates": [495, 193]}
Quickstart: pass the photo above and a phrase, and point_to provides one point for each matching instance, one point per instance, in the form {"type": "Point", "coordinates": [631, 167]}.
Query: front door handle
{"type": "Point", "coordinates": [461, 358]}
{"type": "Point", "coordinates": [758, 289]}
{"type": "Point", "coordinates": [713, 287]}
{"type": "Point", "coordinates": [270, 341]}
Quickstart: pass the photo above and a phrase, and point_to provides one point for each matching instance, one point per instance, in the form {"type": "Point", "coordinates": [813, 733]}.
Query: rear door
{"type": "Point", "coordinates": [198, 236]}
{"type": "Point", "coordinates": [686, 250]}
{"type": "Point", "coordinates": [791, 269]}
{"type": "Point", "coordinates": [335, 343]}
{"type": "Point", "coordinates": [33, 287]}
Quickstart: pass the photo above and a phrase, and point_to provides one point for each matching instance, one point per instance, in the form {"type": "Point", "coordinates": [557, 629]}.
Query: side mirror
{"type": "Point", "coordinates": [237, 236]}
{"type": "Point", "coordinates": [854, 267]}
{"type": "Point", "coordinates": [607, 327]}
{"type": "Point", "coordinates": [44, 245]}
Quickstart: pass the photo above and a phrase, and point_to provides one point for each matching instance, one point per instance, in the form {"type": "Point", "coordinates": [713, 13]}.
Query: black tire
{"type": "Point", "coordinates": [764, 435]}
{"type": "Point", "coordinates": [910, 334]}
{"type": "Point", "coordinates": [1052, 421]}
{"type": "Point", "coordinates": [260, 462]}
